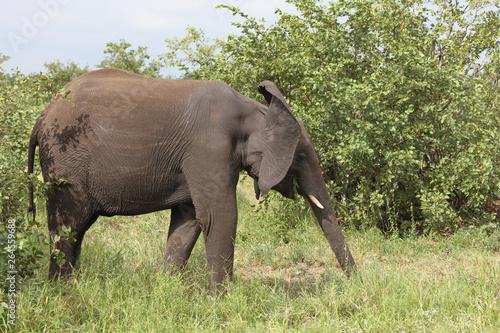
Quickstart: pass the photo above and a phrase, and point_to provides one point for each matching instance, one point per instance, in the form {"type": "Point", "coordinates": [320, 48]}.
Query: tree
{"type": "Point", "coordinates": [120, 56]}
{"type": "Point", "coordinates": [61, 74]}
{"type": "Point", "coordinates": [3, 58]}
{"type": "Point", "coordinates": [192, 52]}
{"type": "Point", "coordinates": [22, 242]}
{"type": "Point", "coordinates": [400, 99]}
{"type": "Point", "coordinates": [5, 79]}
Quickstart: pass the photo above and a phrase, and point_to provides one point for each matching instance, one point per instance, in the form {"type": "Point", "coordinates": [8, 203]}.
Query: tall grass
{"type": "Point", "coordinates": [429, 284]}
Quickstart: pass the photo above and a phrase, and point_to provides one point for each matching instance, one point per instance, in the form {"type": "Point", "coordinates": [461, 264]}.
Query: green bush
{"type": "Point", "coordinates": [59, 74]}
{"type": "Point", "coordinates": [22, 240]}
{"type": "Point", "coordinates": [400, 99]}
{"type": "Point", "coordinates": [280, 217]}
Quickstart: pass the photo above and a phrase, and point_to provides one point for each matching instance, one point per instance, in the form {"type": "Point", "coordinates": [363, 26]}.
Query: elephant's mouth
{"type": "Point", "coordinates": [286, 187]}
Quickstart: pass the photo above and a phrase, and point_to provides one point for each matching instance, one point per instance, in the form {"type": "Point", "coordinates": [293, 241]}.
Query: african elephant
{"type": "Point", "coordinates": [129, 145]}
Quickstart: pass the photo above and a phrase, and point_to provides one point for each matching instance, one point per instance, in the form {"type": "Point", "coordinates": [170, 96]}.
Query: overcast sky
{"type": "Point", "coordinates": [33, 32]}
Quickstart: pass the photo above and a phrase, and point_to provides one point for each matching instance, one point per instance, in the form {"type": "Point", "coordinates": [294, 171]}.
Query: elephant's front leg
{"type": "Point", "coordinates": [182, 236]}
{"type": "Point", "coordinates": [212, 185]}
{"type": "Point", "coordinates": [219, 231]}
{"type": "Point", "coordinates": [217, 215]}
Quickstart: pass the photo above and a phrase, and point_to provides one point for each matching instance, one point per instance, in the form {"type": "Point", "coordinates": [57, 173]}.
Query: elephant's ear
{"type": "Point", "coordinates": [279, 138]}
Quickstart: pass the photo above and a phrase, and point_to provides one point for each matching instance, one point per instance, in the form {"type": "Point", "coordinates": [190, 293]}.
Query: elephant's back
{"type": "Point", "coordinates": [111, 85]}
{"type": "Point", "coordinates": [112, 114]}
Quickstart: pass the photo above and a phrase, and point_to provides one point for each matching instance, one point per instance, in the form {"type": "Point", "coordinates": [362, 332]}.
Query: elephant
{"type": "Point", "coordinates": [128, 145]}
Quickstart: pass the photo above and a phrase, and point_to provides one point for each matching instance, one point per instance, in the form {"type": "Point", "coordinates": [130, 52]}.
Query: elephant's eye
{"type": "Point", "coordinates": [300, 157]}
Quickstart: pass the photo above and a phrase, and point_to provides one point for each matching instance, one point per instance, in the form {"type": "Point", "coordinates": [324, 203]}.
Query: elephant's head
{"type": "Point", "coordinates": [279, 152]}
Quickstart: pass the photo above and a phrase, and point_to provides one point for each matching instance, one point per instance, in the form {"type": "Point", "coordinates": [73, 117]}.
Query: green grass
{"type": "Point", "coordinates": [426, 284]}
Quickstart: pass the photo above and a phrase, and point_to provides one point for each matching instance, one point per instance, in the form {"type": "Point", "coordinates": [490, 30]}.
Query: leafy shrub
{"type": "Point", "coordinates": [280, 217]}
{"type": "Point", "coordinates": [20, 105]}
{"type": "Point", "coordinates": [59, 75]}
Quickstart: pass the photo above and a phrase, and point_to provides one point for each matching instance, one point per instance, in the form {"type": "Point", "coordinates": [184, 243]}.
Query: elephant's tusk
{"type": "Point", "coordinates": [315, 201]}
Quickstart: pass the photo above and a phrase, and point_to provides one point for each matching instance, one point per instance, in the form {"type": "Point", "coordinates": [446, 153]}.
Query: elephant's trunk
{"type": "Point", "coordinates": [323, 210]}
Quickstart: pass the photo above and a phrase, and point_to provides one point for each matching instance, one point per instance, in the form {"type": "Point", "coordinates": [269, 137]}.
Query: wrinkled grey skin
{"type": "Point", "coordinates": [132, 145]}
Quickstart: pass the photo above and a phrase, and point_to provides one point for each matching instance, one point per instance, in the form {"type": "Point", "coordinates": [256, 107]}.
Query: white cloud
{"type": "Point", "coordinates": [33, 32]}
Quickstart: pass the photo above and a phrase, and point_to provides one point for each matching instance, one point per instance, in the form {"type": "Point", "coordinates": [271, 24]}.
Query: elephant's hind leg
{"type": "Point", "coordinates": [182, 236]}
{"type": "Point", "coordinates": [77, 249]}
{"type": "Point", "coordinates": [67, 208]}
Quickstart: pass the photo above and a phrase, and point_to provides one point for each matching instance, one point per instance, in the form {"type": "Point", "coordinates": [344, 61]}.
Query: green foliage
{"type": "Point", "coordinates": [3, 58]}
{"type": "Point", "coordinates": [64, 232]}
{"type": "Point", "coordinates": [192, 52]}
{"type": "Point", "coordinates": [279, 217]}
{"type": "Point", "coordinates": [400, 99]}
{"type": "Point", "coordinates": [19, 108]}
{"type": "Point", "coordinates": [136, 61]}
{"type": "Point", "coordinates": [60, 74]}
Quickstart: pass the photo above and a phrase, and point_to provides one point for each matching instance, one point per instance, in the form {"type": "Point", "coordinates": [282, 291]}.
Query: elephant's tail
{"type": "Point", "coordinates": [31, 160]}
